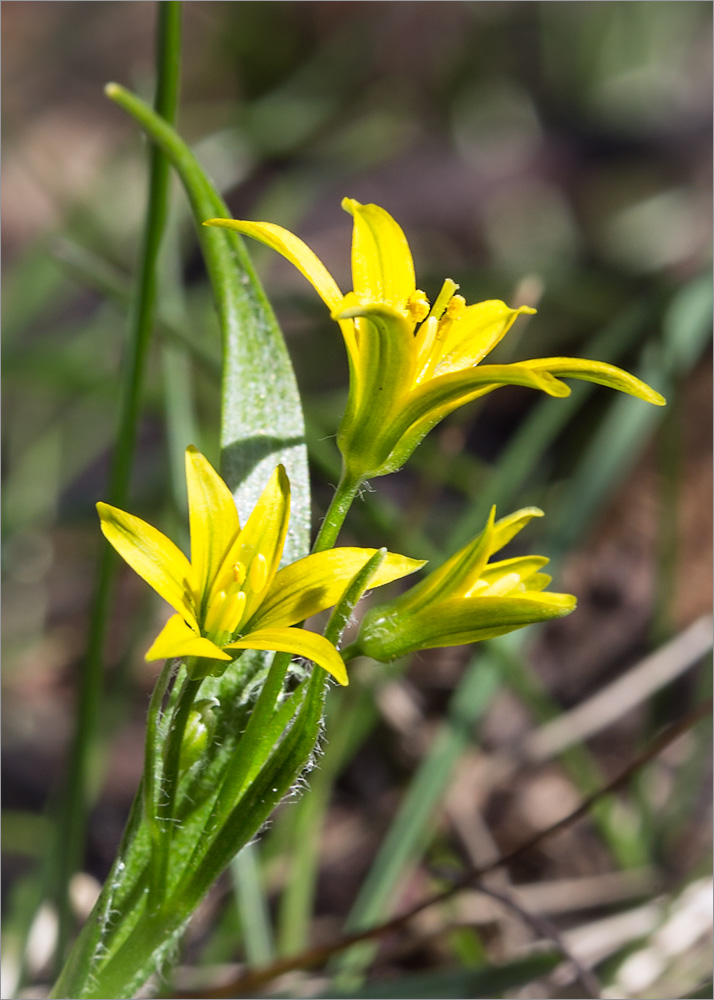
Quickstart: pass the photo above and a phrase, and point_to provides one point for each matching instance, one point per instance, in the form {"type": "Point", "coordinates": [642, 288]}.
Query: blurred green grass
{"type": "Point", "coordinates": [558, 152]}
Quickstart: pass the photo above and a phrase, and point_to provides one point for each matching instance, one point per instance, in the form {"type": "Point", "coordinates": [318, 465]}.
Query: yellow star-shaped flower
{"type": "Point", "coordinates": [231, 595]}
{"type": "Point", "coordinates": [412, 363]}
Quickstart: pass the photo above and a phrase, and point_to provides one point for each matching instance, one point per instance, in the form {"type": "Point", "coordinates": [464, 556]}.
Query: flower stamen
{"type": "Point", "coordinates": [258, 573]}
{"type": "Point", "coordinates": [418, 306]}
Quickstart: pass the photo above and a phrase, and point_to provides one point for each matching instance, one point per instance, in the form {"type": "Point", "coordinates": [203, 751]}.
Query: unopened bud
{"type": "Point", "coordinates": [198, 734]}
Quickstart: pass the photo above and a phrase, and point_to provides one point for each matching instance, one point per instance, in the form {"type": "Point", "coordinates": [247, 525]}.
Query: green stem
{"type": "Point", "coordinates": [151, 805]}
{"type": "Point", "coordinates": [72, 824]}
{"type": "Point", "coordinates": [161, 847]}
{"type": "Point", "coordinates": [337, 512]}
{"type": "Point", "coordinates": [253, 739]}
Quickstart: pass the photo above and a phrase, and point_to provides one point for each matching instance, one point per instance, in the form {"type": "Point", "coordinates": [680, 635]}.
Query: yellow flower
{"type": "Point", "coordinates": [231, 595]}
{"type": "Point", "coordinates": [467, 599]}
{"type": "Point", "coordinates": [412, 363]}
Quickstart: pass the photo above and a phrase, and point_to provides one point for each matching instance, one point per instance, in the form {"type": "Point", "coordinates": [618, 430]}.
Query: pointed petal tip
{"type": "Point", "coordinates": [523, 512]}
{"type": "Point", "coordinates": [281, 474]}
{"type": "Point", "coordinates": [222, 223]}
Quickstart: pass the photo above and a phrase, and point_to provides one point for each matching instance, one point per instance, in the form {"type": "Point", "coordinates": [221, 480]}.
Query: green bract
{"type": "Point", "coordinates": [231, 595]}
{"type": "Point", "coordinates": [467, 599]}
{"type": "Point", "coordinates": [412, 363]}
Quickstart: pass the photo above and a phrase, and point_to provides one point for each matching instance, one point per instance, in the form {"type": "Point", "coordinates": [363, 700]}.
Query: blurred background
{"type": "Point", "coordinates": [554, 154]}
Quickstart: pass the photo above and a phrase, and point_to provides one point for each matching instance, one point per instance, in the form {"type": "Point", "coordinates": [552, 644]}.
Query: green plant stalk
{"type": "Point", "coordinates": [340, 504]}
{"type": "Point", "coordinates": [72, 830]}
{"type": "Point", "coordinates": [161, 845]}
{"type": "Point", "coordinates": [150, 798]}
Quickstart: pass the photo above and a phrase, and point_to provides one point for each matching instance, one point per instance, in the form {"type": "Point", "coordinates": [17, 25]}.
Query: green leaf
{"type": "Point", "coordinates": [262, 422]}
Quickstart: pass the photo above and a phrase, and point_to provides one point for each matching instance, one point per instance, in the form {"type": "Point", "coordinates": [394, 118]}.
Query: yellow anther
{"type": "Point", "coordinates": [239, 573]}
{"type": "Point", "coordinates": [225, 613]}
{"type": "Point", "coordinates": [418, 306]}
{"type": "Point", "coordinates": [258, 573]}
{"type": "Point", "coordinates": [456, 306]}
{"type": "Point", "coordinates": [234, 608]}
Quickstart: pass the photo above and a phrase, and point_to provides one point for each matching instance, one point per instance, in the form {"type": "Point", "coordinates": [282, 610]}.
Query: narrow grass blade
{"type": "Point", "coordinates": [252, 906]}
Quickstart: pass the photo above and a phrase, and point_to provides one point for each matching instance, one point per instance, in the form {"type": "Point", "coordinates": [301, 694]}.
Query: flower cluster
{"type": "Point", "coordinates": [411, 363]}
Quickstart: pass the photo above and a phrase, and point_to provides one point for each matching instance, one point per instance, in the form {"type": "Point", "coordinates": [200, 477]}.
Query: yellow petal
{"type": "Point", "coordinates": [294, 250]}
{"type": "Point", "coordinates": [177, 639]}
{"type": "Point", "coordinates": [382, 265]}
{"type": "Point", "coordinates": [508, 527]}
{"type": "Point", "coordinates": [264, 534]}
{"type": "Point", "coordinates": [457, 575]}
{"type": "Point", "coordinates": [300, 643]}
{"type": "Point", "coordinates": [597, 371]}
{"type": "Point", "coordinates": [318, 581]}
{"type": "Point", "coordinates": [434, 399]}
{"type": "Point", "coordinates": [153, 556]}
{"type": "Point", "coordinates": [516, 571]}
{"type": "Point", "coordinates": [213, 519]}
{"type": "Point", "coordinates": [383, 373]}
{"type": "Point", "coordinates": [475, 333]}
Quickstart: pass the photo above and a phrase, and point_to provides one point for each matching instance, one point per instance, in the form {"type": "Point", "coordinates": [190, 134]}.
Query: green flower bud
{"type": "Point", "coordinates": [467, 599]}
{"type": "Point", "coordinates": [199, 732]}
